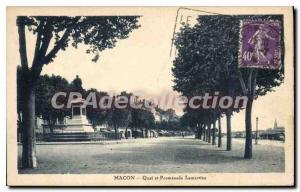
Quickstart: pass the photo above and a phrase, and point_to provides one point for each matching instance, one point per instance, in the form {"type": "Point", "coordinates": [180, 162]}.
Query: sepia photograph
{"type": "Point", "coordinates": [150, 96]}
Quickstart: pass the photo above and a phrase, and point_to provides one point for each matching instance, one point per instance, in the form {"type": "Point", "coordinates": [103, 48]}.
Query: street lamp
{"type": "Point", "coordinates": [256, 134]}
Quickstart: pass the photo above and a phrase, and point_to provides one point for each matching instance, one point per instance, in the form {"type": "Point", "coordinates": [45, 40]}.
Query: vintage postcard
{"type": "Point", "coordinates": [150, 96]}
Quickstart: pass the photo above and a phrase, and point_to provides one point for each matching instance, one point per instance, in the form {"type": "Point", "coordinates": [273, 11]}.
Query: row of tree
{"type": "Point", "coordinates": [136, 119]}
{"type": "Point", "coordinates": [207, 61]}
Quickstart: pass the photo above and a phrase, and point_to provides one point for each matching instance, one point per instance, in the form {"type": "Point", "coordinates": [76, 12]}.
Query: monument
{"type": "Point", "coordinates": [78, 122]}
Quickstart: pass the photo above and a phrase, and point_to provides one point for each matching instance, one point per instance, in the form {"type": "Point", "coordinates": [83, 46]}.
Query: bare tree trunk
{"type": "Point", "coordinates": [220, 133]}
{"type": "Point", "coordinates": [116, 133]}
{"type": "Point", "coordinates": [197, 132]}
{"type": "Point", "coordinates": [136, 133]}
{"type": "Point", "coordinates": [51, 126]}
{"type": "Point", "coordinates": [126, 136]}
{"type": "Point", "coordinates": [248, 143]}
{"type": "Point", "coordinates": [143, 135]}
{"type": "Point", "coordinates": [209, 133]}
{"type": "Point", "coordinates": [200, 131]}
{"type": "Point", "coordinates": [250, 92]}
{"type": "Point", "coordinates": [251, 95]}
{"type": "Point", "coordinates": [20, 127]}
{"type": "Point", "coordinates": [214, 133]}
{"type": "Point", "coordinates": [132, 132]}
{"type": "Point", "coordinates": [28, 145]}
{"type": "Point", "coordinates": [228, 124]}
{"type": "Point", "coordinates": [204, 134]}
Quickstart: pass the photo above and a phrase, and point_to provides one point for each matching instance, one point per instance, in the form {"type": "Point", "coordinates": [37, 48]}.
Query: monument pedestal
{"type": "Point", "coordinates": [78, 122]}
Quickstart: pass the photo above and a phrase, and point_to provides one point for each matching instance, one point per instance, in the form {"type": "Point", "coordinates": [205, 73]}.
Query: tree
{"type": "Point", "coordinates": [148, 121]}
{"type": "Point", "coordinates": [220, 132]}
{"type": "Point", "coordinates": [97, 32]}
{"type": "Point", "coordinates": [188, 121]}
{"type": "Point", "coordinates": [197, 120]}
{"type": "Point", "coordinates": [199, 71]}
{"type": "Point", "coordinates": [142, 118]}
{"type": "Point", "coordinates": [20, 100]}
{"type": "Point", "coordinates": [208, 57]}
{"type": "Point", "coordinates": [46, 87]}
{"type": "Point", "coordinates": [97, 116]}
{"type": "Point", "coordinates": [168, 120]}
{"type": "Point", "coordinates": [120, 117]}
{"type": "Point", "coordinates": [167, 115]}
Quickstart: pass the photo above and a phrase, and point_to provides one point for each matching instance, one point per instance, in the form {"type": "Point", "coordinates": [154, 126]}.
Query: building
{"type": "Point", "coordinates": [275, 133]}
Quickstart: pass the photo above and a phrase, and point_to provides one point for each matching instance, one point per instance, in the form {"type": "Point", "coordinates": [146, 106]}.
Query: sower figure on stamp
{"type": "Point", "coordinates": [260, 42]}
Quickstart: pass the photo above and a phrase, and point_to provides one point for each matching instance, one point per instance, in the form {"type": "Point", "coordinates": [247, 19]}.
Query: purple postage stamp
{"type": "Point", "coordinates": [260, 44]}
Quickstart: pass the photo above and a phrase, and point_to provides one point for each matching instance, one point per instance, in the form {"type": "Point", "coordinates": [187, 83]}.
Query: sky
{"type": "Point", "coordinates": [142, 64]}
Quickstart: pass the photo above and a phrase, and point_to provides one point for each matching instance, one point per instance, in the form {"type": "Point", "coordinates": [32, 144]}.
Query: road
{"type": "Point", "coordinates": [156, 155]}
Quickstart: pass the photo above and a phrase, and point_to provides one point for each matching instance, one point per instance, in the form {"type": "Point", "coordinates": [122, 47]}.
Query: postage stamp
{"type": "Point", "coordinates": [260, 44]}
{"type": "Point", "coordinates": [150, 96]}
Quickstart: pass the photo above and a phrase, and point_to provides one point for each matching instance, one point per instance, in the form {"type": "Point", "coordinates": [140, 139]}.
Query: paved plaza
{"type": "Point", "coordinates": [156, 155]}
